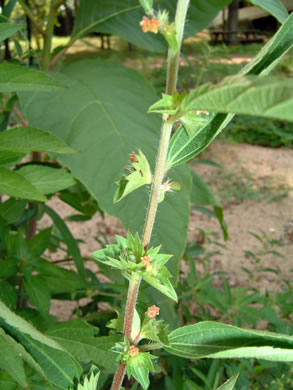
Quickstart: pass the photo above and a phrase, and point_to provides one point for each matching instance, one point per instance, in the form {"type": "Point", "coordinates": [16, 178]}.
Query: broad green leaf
{"type": "Point", "coordinates": [38, 293]}
{"type": "Point", "coordinates": [79, 338]}
{"type": "Point", "coordinates": [274, 7]}
{"type": "Point", "coordinates": [216, 340]}
{"type": "Point", "coordinates": [103, 115]}
{"type": "Point", "coordinates": [10, 360]}
{"type": "Point", "coordinates": [185, 148]}
{"type": "Point", "coordinates": [12, 209]}
{"type": "Point", "coordinates": [122, 18]}
{"type": "Point", "coordinates": [20, 78]}
{"type": "Point", "coordinates": [10, 158]}
{"type": "Point", "coordinates": [7, 29]}
{"type": "Point", "coordinates": [57, 364]}
{"type": "Point", "coordinates": [46, 179]}
{"type": "Point", "coordinates": [258, 96]}
{"type": "Point", "coordinates": [68, 238]}
{"type": "Point", "coordinates": [13, 184]}
{"type": "Point", "coordinates": [28, 139]}
{"type": "Point", "coordinates": [230, 383]}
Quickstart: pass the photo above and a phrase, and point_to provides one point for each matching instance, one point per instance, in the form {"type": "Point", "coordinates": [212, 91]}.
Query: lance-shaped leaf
{"type": "Point", "coordinates": [58, 365]}
{"type": "Point", "coordinates": [274, 7]}
{"type": "Point", "coordinates": [7, 29]}
{"type": "Point", "coordinates": [159, 279]}
{"type": "Point", "coordinates": [230, 383]}
{"type": "Point", "coordinates": [216, 340]}
{"type": "Point", "coordinates": [258, 96]}
{"type": "Point", "coordinates": [10, 361]}
{"type": "Point", "coordinates": [28, 139]}
{"type": "Point", "coordinates": [13, 184]}
{"type": "Point", "coordinates": [185, 148]}
{"type": "Point", "coordinates": [141, 176]}
{"type": "Point", "coordinates": [20, 78]}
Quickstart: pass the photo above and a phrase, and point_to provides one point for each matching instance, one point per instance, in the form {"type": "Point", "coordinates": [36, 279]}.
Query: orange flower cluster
{"type": "Point", "coordinates": [153, 311]}
{"type": "Point", "coordinates": [132, 157]}
{"type": "Point", "coordinates": [133, 351]}
{"type": "Point", "coordinates": [151, 25]}
{"type": "Point", "coordinates": [146, 260]}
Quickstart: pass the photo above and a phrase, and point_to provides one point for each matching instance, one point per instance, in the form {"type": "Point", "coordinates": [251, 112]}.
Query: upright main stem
{"type": "Point", "coordinates": [166, 129]}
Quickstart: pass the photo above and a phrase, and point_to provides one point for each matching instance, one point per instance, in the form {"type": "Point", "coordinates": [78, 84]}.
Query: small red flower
{"type": "Point", "coordinates": [133, 351]}
{"type": "Point", "coordinates": [146, 260]}
{"type": "Point", "coordinates": [132, 157]}
{"type": "Point", "coordinates": [150, 25]}
{"type": "Point", "coordinates": [153, 311]}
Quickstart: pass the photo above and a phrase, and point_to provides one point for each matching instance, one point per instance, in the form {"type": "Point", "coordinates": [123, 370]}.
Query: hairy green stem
{"type": "Point", "coordinates": [166, 129]}
{"type": "Point", "coordinates": [46, 55]}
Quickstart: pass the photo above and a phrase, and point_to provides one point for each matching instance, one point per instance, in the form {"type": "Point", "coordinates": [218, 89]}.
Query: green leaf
{"type": "Point", "coordinates": [90, 383]}
{"type": "Point", "coordinates": [258, 96]}
{"type": "Point", "coordinates": [10, 360]}
{"type": "Point", "coordinates": [7, 29]}
{"type": "Point", "coordinates": [10, 158]}
{"type": "Point", "coordinates": [57, 364]}
{"type": "Point", "coordinates": [160, 281]}
{"type": "Point", "coordinates": [139, 367]}
{"type": "Point", "coordinates": [216, 340]}
{"type": "Point", "coordinates": [68, 238]}
{"type": "Point", "coordinates": [20, 78]}
{"type": "Point", "coordinates": [230, 383]}
{"type": "Point", "coordinates": [122, 18]}
{"type": "Point", "coordinates": [8, 294]}
{"type": "Point", "coordinates": [79, 338]}
{"type": "Point", "coordinates": [13, 184]}
{"type": "Point", "coordinates": [114, 105]}
{"type": "Point", "coordinates": [274, 7]}
{"type": "Point", "coordinates": [147, 5]}
{"type": "Point", "coordinates": [182, 147]}
{"type": "Point", "coordinates": [141, 176]}
{"type": "Point", "coordinates": [38, 293]}
{"type": "Point", "coordinates": [28, 139]}
{"type": "Point", "coordinates": [12, 209]}
{"type": "Point", "coordinates": [46, 179]}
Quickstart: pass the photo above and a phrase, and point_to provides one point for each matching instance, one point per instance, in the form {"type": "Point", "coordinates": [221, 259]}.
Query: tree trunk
{"type": "Point", "coordinates": [232, 24]}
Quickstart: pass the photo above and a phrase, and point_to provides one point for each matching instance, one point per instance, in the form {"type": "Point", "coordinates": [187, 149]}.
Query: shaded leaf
{"type": "Point", "coordinates": [13, 184]}
{"type": "Point", "coordinates": [46, 179]}
{"type": "Point", "coordinates": [38, 293]}
{"type": "Point", "coordinates": [20, 78]}
{"type": "Point", "coordinates": [230, 383]}
{"type": "Point", "coordinates": [7, 29]}
{"type": "Point", "coordinates": [28, 139]}
{"type": "Point", "coordinates": [274, 7]}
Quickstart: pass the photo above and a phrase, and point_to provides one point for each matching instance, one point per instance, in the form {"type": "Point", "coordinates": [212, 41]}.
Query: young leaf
{"type": "Point", "coordinates": [274, 7]}
{"type": "Point", "coordinates": [141, 176]}
{"type": "Point", "coordinates": [13, 184]}
{"type": "Point", "coordinates": [7, 29]}
{"type": "Point", "coordinates": [90, 383]}
{"type": "Point", "coordinates": [160, 281]}
{"type": "Point", "coordinates": [216, 340]}
{"type": "Point", "coordinates": [47, 179]}
{"type": "Point", "coordinates": [20, 78]}
{"type": "Point", "coordinates": [139, 367]}
{"type": "Point", "coordinates": [29, 139]}
{"type": "Point", "coordinates": [230, 383]}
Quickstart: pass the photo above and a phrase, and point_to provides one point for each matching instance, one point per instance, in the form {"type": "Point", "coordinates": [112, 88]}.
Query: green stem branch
{"type": "Point", "coordinates": [166, 129]}
{"type": "Point", "coordinates": [46, 55]}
